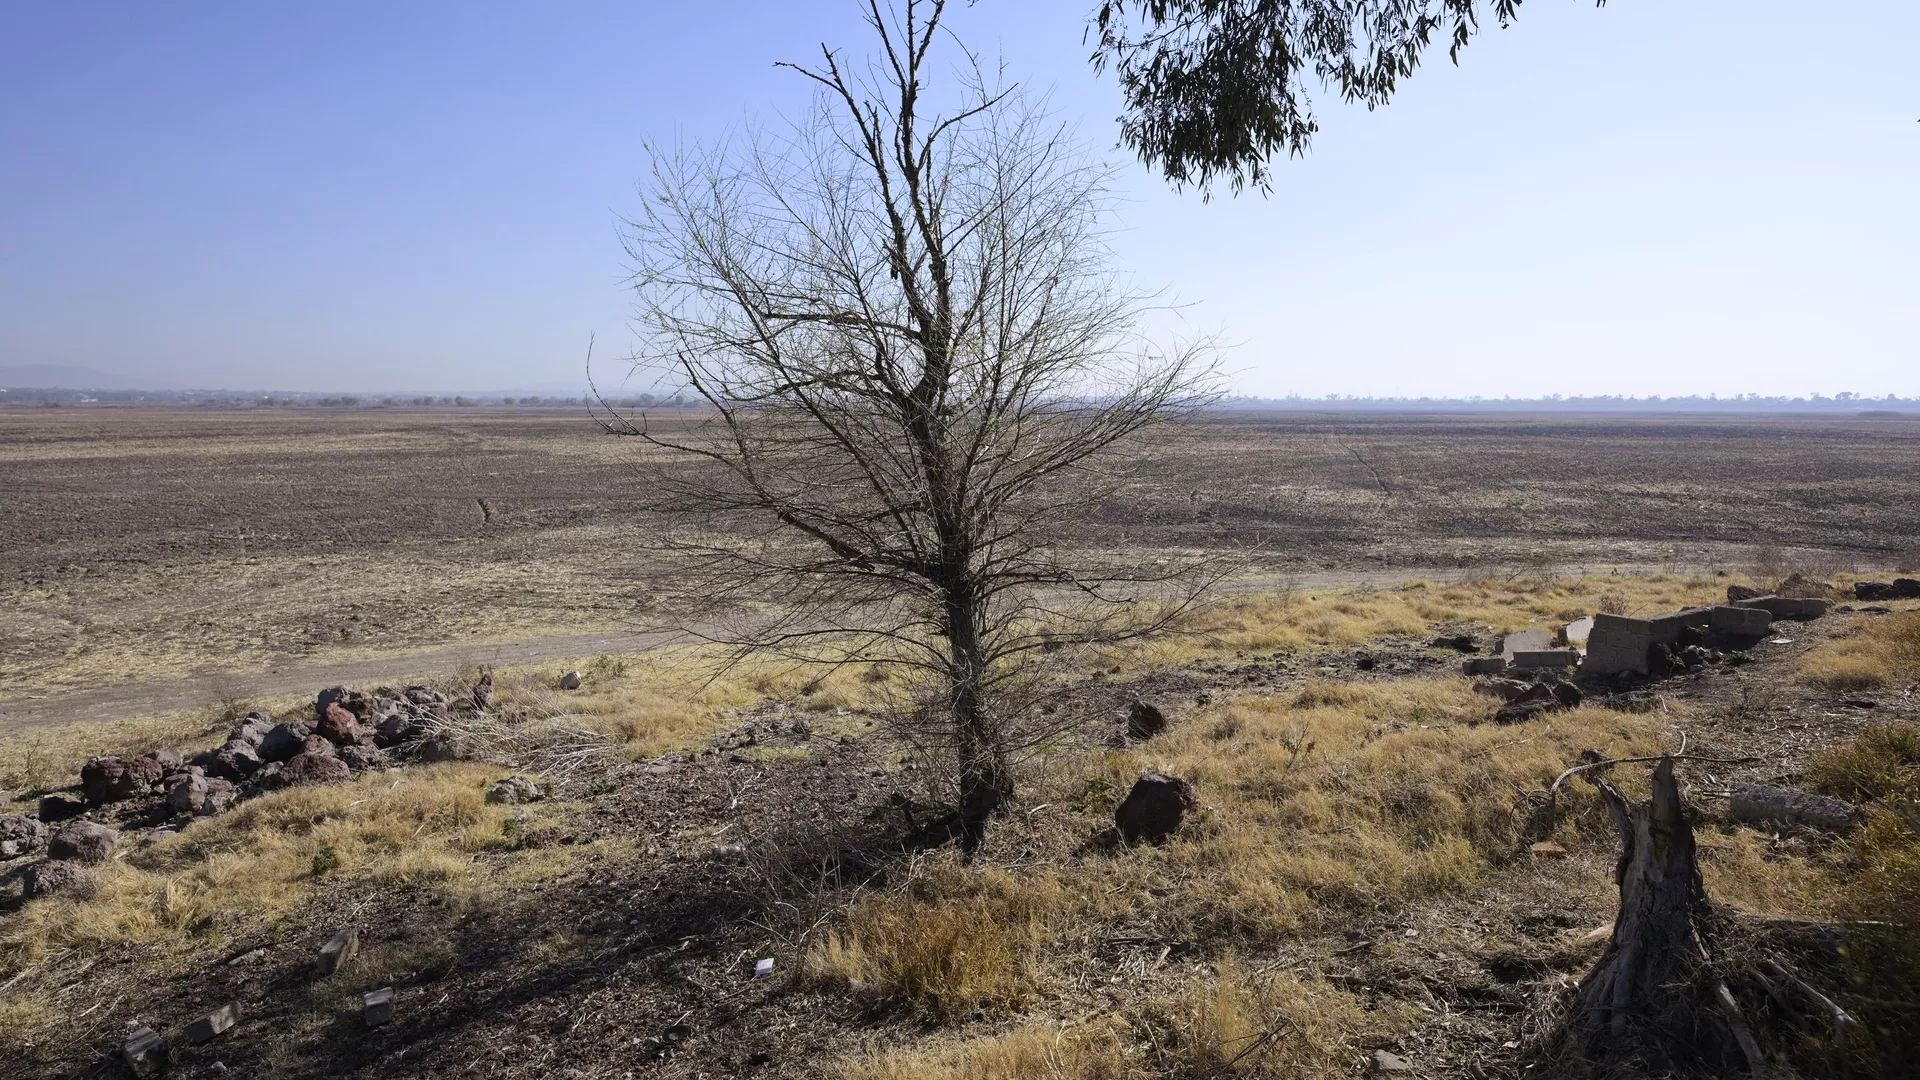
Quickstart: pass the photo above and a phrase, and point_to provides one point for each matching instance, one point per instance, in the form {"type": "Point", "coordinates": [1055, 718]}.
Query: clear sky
{"type": "Point", "coordinates": [1672, 197]}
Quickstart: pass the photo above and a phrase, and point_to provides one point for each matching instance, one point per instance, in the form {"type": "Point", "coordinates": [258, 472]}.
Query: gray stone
{"type": "Point", "coordinates": [219, 796]}
{"type": "Point", "coordinates": [571, 681]}
{"type": "Point", "coordinates": [20, 835]}
{"type": "Point", "coordinates": [187, 792]}
{"type": "Point", "coordinates": [1760, 804]}
{"type": "Point", "coordinates": [284, 741]}
{"type": "Point", "coordinates": [83, 842]}
{"type": "Point", "coordinates": [363, 758]}
{"type": "Point", "coordinates": [251, 729]}
{"type": "Point", "coordinates": [237, 760]}
{"type": "Point", "coordinates": [1578, 631]}
{"type": "Point", "coordinates": [1154, 809]}
{"type": "Point", "coordinates": [145, 1052]}
{"type": "Point", "coordinates": [1737, 593]}
{"type": "Point", "coordinates": [60, 806]}
{"type": "Point", "coordinates": [516, 789]}
{"type": "Point", "coordinates": [214, 1023]}
{"type": "Point", "coordinates": [339, 949]}
{"type": "Point", "coordinates": [51, 878]}
{"type": "Point", "coordinates": [1385, 1062]}
{"type": "Point", "coordinates": [166, 757]}
{"type": "Point", "coordinates": [1546, 658]}
{"type": "Point", "coordinates": [439, 748]}
{"type": "Point", "coordinates": [376, 1007]}
{"type": "Point", "coordinates": [1741, 621]}
{"type": "Point", "coordinates": [1617, 644]}
{"type": "Point", "coordinates": [158, 836]}
{"type": "Point", "coordinates": [1484, 665]}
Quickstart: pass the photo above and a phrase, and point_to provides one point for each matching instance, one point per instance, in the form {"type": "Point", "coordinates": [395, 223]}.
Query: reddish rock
{"type": "Point", "coordinates": [112, 779]}
{"type": "Point", "coordinates": [304, 769]}
{"type": "Point", "coordinates": [166, 757]}
{"type": "Point", "coordinates": [187, 791]}
{"type": "Point", "coordinates": [317, 745]}
{"type": "Point", "coordinates": [339, 726]}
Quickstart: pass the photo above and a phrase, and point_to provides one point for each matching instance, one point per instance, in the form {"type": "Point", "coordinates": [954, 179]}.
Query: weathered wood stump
{"type": "Point", "coordinates": [1654, 1002]}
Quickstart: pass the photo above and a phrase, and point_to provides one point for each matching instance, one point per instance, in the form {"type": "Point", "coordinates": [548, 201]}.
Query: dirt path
{"type": "Point", "coordinates": [148, 697]}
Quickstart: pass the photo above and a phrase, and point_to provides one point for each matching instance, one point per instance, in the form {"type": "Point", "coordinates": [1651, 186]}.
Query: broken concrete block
{"type": "Point", "coordinates": [376, 1007]}
{"type": "Point", "coordinates": [1484, 665]}
{"type": "Point", "coordinates": [1617, 643]}
{"type": "Point", "coordinates": [145, 1052]}
{"type": "Point", "coordinates": [339, 949]}
{"type": "Point", "coordinates": [1741, 621]}
{"type": "Point", "coordinates": [1546, 658]}
{"type": "Point", "coordinates": [1789, 607]}
{"type": "Point", "coordinates": [1525, 641]}
{"type": "Point", "coordinates": [1577, 632]}
{"type": "Point", "coordinates": [1760, 804]}
{"type": "Point", "coordinates": [213, 1023]}
{"type": "Point", "coordinates": [1669, 629]}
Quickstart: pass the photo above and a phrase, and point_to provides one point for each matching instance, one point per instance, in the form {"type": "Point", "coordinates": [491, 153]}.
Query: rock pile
{"type": "Point", "coordinates": [1904, 588]}
{"type": "Point", "coordinates": [351, 731]}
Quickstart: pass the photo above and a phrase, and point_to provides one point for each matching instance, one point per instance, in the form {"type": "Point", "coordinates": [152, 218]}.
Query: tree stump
{"type": "Point", "coordinates": [1655, 1003]}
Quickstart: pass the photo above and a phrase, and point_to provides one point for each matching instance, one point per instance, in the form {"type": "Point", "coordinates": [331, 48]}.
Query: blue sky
{"type": "Point", "coordinates": [1688, 196]}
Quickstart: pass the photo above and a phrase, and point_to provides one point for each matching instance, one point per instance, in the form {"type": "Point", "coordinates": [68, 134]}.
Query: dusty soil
{"type": "Point", "coordinates": [174, 549]}
{"type": "Point", "coordinates": [637, 960]}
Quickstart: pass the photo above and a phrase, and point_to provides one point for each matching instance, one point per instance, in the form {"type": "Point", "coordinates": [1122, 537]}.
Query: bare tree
{"type": "Point", "coordinates": [916, 353]}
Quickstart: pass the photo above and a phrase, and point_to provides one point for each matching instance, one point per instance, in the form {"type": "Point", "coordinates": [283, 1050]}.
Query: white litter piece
{"type": "Point", "coordinates": [764, 967]}
{"type": "Point", "coordinates": [1780, 641]}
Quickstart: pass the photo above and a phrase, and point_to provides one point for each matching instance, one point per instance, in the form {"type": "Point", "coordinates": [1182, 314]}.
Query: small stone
{"type": "Point", "coordinates": [338, 726]}
{"type": "Point", "coordinates": [157, 836]}
{"type": "Point", "coordinates": [1386, 1062]}
{"type": "Point", "coordinates": [83, 842]}
{"type": "Point", "coordinates": [571, 681]}
{"type": "Point", "coordinates": [284, 741]}
{"type": "Point", "coordinates": [144, 1052]}
{"type": "Point", "coordinates": [1144, 721]}
{"type": "Point", "coordinates": [516, 789]}
{"type": "Point", "coordinates": [339, 949]}
{"type": "Point", "coordinates": [187, 792]}
{"type": "Point", "coordinates": [1155, 808]}
{"type": "Point", "coordinates": [1547, 849]}
{"type": "Point", "coordinates": [113, 779]}
{"type": "Point", "coordinates": [53, 878]}
{"type": "Point", "coordinates": [305, 769]}
{"type": "Point", "coordinates": [60, 806]}
{"type": "Point", "coordinates": [166, 757]}
{"type": "Point", "coordinates": [20, 835]}
{"type": "Point", "coordinates": [376, 1007]}
{"type": "Point", "coordinates": [220, 795]}
{"type": "Point", "coordinates": [215, 1022]}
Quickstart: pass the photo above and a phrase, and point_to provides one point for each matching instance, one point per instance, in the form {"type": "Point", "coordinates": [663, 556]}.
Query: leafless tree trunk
{"type": "Point", "coordinates": [903, 315]}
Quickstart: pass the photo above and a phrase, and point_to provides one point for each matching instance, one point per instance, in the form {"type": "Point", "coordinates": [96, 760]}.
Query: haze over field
{"type": "Point", "coordinates": [1633, 200]}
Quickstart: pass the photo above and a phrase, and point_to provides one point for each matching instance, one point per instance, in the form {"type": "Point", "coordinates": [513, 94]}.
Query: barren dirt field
{"type": "Point", "coordinates": [701, 873]}
{"type": "Point", "coordinates": [154, 556]}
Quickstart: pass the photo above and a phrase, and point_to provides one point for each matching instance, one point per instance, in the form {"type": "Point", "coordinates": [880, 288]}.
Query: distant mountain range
{"type": "Point", "coordinates": [68, 377]}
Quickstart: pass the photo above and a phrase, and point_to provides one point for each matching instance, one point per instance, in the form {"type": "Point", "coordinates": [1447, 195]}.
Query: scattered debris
{"type": "Point", "coordinates": [214, 1023]}
{"type": "Point", "coordinates": [145, 1052]}
{"type": "Point", "coordinates": [376, 1006]}
{"type": "Point", "coordinates": [339, 949]}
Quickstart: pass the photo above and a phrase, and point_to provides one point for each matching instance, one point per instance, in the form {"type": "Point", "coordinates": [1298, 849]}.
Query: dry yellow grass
{"type": "Point", "coordinates": [1886, 652]}
{"type": "Point", "coordinates": [263, 857]}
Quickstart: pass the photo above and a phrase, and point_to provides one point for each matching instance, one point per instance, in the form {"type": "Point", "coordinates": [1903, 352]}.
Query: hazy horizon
{"type": "Point", "coordinates": [1699, 198]}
